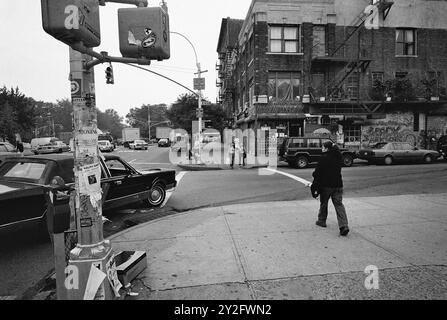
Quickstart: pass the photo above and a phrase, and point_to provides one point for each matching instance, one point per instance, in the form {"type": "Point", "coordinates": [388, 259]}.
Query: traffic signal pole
{"type": "Point", "coordinates": [92, 250]}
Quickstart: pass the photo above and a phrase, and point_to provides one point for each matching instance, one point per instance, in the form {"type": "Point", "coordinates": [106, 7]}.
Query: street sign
{"type": "Point", "coordinates": [144, 32]}
{"type": "Point", "coordinates": [199, 83]}
{"type": "Point", "coordinates": [199, 113]}
{"type": "Point", "coordinates": [72, 21]}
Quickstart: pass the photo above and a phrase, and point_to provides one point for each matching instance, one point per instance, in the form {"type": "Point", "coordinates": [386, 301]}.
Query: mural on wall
{"type": "Point", "coordinates": [399, 128]}
{"type": "Point", "coordinates": [396, 127]}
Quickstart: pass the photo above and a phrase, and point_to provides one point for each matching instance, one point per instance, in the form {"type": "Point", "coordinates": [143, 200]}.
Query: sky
{"type": "Point", "coordinates": [38, 64]}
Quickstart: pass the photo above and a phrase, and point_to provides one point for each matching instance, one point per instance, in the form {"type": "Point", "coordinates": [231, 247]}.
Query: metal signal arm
{"type": "Point", "coordinates": [103, 57]}
{"type": "Point", "coordinates": [138, 3]}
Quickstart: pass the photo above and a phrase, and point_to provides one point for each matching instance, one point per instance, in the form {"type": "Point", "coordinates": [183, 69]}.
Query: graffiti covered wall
{"type": "Point", "coordinates": [399, 127]}
{"type": "Point", "coordinates": [396, 127]}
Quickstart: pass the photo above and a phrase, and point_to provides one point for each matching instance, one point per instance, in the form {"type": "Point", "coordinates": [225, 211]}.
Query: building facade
{"type": "Point", "coordinates": [358, 71]}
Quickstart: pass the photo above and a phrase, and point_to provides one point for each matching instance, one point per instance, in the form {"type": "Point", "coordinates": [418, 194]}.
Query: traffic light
{"type": "Point", "coordinates": [144, 33]}
{"type": "Point", "coordinates": [109, 75]}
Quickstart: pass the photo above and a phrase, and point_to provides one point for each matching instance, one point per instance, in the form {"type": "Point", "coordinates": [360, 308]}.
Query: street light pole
{"type": "Point", "coordinates": [199, 74]}
{"type": "Point", "coordinates": [149, 122]}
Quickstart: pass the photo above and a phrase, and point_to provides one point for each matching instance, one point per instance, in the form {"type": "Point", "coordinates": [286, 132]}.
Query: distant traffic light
{"type": "Point", "coordinates": [109, 75]}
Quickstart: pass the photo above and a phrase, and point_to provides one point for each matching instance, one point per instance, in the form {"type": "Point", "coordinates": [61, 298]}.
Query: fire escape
{"type": "Point", "coordinates": [335, 100]}
{"type": "Point", "coordinates": [225, 83]}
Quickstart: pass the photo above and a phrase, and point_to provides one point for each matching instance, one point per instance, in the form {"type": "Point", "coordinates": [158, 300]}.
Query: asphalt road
{"type": "Point", "coordinates": [26, 260]}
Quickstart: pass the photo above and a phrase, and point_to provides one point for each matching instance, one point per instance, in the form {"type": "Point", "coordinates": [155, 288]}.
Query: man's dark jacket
{"type": "Point", "coordinates": [328, 171]}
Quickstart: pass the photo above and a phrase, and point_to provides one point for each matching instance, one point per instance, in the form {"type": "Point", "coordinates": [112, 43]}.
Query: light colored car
{"type": "Point", "coordinates": [105, 146]}
{"type": "Point", "coordinates": [393, 152]}
{"type": "Point", "coordinates": [48, 145]}
{"type": "Point", "coordinates": [139, 145]}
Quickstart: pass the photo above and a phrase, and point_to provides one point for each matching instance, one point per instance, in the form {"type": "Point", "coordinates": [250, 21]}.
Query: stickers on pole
{"type": "Point", "coordinates": [90, 183]}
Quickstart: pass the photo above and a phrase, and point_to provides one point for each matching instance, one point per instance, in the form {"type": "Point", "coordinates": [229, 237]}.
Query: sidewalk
{"type": "Point", "coordinates": [275, 251]}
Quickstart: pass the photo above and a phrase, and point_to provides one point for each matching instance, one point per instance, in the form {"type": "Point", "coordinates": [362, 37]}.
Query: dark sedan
{"type": "Point", "coordinates": [23, 181]}
{"type": "Point", "coordinates": [392, 152]}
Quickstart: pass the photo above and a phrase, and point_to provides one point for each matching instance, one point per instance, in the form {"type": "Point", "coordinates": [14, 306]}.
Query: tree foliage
{"type": "Point", "coordinates": [110, 121]}
{"type": "Point", "coordinates": [16, 114]}
{"type": "Point", "coordinates": [183, 112]}
{"type": "Point", "coordinates": [138, 118]}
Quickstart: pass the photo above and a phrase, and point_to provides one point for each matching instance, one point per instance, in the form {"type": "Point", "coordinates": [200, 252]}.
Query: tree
{"type": "Point", "coordinates": [110, 121]}
{"type": "Point", "coordinates": [138, 118]}
{"type": "Point", "coordinates": [16, 114]}
{"type": "Point", "coordinates": [183, 112]}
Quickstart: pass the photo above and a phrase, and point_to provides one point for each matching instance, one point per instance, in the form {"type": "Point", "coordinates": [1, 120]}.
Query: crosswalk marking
{"type": "Point", "coordinates": [301, 180]}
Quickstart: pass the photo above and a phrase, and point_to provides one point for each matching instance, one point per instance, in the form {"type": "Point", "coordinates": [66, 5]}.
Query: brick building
{"type": "Point", "coordinates": [305, 67]}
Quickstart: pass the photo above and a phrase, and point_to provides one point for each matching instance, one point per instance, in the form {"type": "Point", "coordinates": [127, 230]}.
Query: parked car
{"type": "Point", "coordinates": [23, 180]}
{"type": "Point", "coordinates": [164, 143]}
{"type": "Point", "coordinates": [299, 152]}
{"type": "Point", "coordinates": [48, 145]}
{"type": "Point", "coordinates": [139, 145]}
{"type": "Point", "coordinates": [127, 144]}
{"type": "Point", "coordinates": [7, 150]}
{"type": "Point", "coordinates": [393, 152]}
{"type": "Point", "coordinates": [442, 146]}
{"type": "Point", "coordinates": [105, 146]}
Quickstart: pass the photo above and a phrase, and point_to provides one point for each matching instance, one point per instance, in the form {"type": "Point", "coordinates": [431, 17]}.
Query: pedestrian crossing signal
{"type": "Point", "coordinates": [109, 75]}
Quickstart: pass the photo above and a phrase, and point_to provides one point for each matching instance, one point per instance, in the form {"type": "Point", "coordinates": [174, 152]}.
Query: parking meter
{"type": "Point", "coordinates": [57, 196]}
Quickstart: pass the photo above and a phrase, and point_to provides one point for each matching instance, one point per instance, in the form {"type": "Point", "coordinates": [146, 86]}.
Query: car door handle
{"type": "Point", "coordinates": [118, 183]}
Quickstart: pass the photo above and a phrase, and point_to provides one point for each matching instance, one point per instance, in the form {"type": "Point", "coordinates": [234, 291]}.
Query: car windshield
{"type": "Point", "coordinates": [32, 171]}
{"type": "Point", "coordinates": [380, 145]}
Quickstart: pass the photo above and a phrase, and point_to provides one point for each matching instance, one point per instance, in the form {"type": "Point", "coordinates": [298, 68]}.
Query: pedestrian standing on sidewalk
{"type": "Point", "coordinates": [328, 177]}
{"type": "Point", "coordinates": [19, 144]}
{"type": "Point", "coordinates": [232, 152]}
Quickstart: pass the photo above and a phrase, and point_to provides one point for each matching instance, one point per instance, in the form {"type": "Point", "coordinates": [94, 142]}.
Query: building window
{"type": "Point", "coordinates": [319, 41]}
{"type": "Point", "coordinates": [285, 39]}
{"type": "Point", "coordinates": [401, 74]}
{"type": "Point", "coordinates": [416, 122]}
{"type": "Point", "coordinates": [405, 42]}
{"type": "Point", "coordinates": [352, 133]}
{"type": "Point", "coordinates": [284, 85]}
{"type": "Point", "coordinates": [352, 86]}
{"type": "Point", "coordinates": [377, 76]}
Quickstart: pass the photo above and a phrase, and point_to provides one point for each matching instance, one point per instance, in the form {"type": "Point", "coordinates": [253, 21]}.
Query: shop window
{"type": "Point", "coordinates": [284, 85]}
{"type": "Point", "coordinates": [406, 42]}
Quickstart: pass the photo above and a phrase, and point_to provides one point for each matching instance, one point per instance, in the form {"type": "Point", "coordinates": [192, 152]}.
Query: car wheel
{"type": "Point", "coordinates": [59, 151]}
{"type": "Point", "coordinates": [388, 160]}
{"type": "Point", "coordinates": [428, 159]}
{"type": "Point", "coordinates": [302, 162]}
{"type": "Point", "coordinates": [157, 195]}
{"type": "Point", "coordinates": [347, 160]}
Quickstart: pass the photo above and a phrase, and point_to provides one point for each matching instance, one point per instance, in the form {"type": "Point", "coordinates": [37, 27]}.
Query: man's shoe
{"type": "Point", "coordinates": [321, 224]}
{"type": "Point", "coordinates": [344, 231]}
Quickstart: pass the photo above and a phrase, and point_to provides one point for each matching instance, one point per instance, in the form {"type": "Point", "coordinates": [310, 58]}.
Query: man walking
{"type": "Point", "coordinates": [327, 176]}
